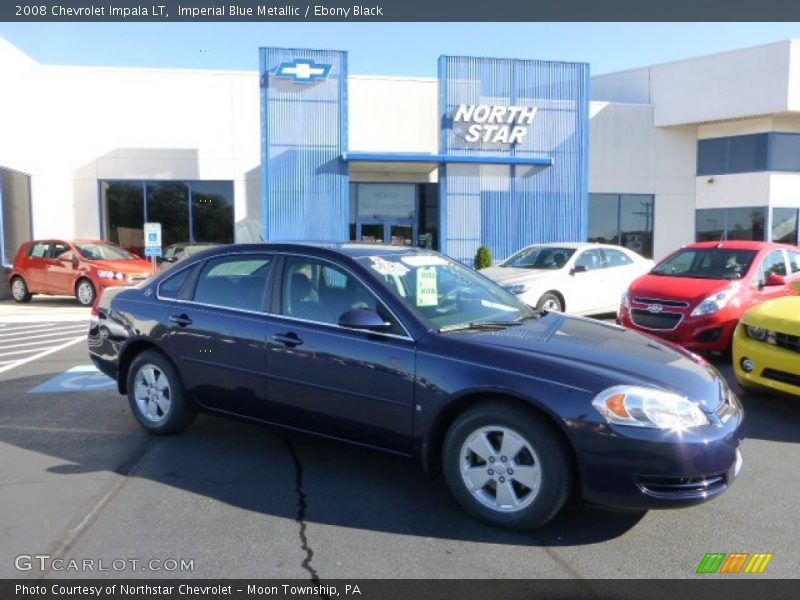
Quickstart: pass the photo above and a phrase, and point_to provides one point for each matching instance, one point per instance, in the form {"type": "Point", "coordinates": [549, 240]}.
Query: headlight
{"type": "Point", "coordinates": [626, 299]}
{"type": "Point", "coordinates": [757, 333]}
{"type": "Point", "coordinates": [110, 275]}
{"type": "Point", "coordinates": [646, 407]}
{"type": "Point", "coordinates": [713, 303]}
{"type": "Point", "coordinates": [517, 288]}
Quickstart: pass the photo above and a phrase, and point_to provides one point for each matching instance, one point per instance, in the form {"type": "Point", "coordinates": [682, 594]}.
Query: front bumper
{"type": "Point", "coordinates": [710, 333]}
{"type": "Point", "coordinates": [642, 469]}
{"type": "Point", "coordinates": [774, 369]}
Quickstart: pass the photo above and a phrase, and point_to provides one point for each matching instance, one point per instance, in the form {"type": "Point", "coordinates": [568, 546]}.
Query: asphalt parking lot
{"type": "Point", "coordinates": [79, 479]}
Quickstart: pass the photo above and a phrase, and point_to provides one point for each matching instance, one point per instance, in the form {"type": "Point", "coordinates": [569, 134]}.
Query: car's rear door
{"type": "Point", "coordinates": [217, 329]}
{"type": "Point", "coordinates": [35, 272]}
{"type": "Point", "coordinates": [347, 383]}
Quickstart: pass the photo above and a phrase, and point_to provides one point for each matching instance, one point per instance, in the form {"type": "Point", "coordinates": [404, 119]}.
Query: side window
{"type": "Point", "coordinates": [234, 281]}
{"type": "Point", "coordinates": [773, 264]}
{"type": "Point", "coordinates": [171, 286]}
{"type": "Point", "coordinates": [39, 250]}
{"type": "Point", "coordinates": [318, 291]}
{"type": "Point", "coordinates": [57, 249]}
{"type": "Point", "coordinates": [616, 258]}
{"type": "Point", "coordinates": [794, 261]}
{"type": "Point", "coordinates": [589, 259]}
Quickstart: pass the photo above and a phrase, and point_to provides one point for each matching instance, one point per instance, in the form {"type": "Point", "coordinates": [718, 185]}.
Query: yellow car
{"type": "Point", "coordinates": [766, 346]}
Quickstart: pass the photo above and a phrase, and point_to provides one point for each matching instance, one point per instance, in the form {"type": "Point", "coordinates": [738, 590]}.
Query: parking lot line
{"type": "Point", "coordinates": [61, 339]}
{"type": "Point", "coordinates": [62, 331]}
{"type": "Point", "coordinates": [28, 359]}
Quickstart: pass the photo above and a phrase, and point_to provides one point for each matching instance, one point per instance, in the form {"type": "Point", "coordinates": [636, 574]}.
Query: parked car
{"type": "Point", "coordinates": [695, 296]}
{"type": "Point", "coordinates": [578, 278]}
{"type": "Point", "coordinates": [405, 350]}
{"type": "Point", "coordinates": [77, 267]}
{"type": "Point", "coordinates": [175, 252]}
{"type": "Point", "coordinates": [766, 346]}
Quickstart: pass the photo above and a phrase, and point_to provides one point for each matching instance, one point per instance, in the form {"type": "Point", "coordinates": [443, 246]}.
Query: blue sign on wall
{"type": "Point", "coordinates": [304, 133]}
{"type": "Point", "coordinates": [519, 108]}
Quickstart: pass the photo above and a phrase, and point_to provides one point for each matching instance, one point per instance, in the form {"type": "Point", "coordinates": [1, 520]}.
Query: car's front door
{"type": "Point", "coordinates": [217, 329]}
{"type": "Point", "coordinates": [60, 270]}
{"type": "Point", "coordinates": [774, 263]}
{"type": "Point", "coordinates": [348, 383]}
{"type": "Point", "coordinates": [587, 283]}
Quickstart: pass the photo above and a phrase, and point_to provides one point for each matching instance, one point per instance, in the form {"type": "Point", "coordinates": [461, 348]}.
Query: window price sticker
{"type": "Point", "coordinates": [427, 293]}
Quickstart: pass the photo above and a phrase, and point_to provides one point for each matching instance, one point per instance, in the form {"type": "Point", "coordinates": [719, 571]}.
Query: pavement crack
{"type": "Point", "coordinates": [302, 505]}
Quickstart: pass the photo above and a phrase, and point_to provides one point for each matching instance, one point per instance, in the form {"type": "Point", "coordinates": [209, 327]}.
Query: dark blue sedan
{"type": "Point", "coordinates": [407, 351]}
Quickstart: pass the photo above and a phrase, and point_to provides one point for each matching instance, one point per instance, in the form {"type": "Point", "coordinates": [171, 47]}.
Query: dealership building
{"type": "Point", "coordinates": [493, 151]}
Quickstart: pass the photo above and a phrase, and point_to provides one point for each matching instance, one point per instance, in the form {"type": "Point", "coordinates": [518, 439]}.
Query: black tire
{"type": "Point", "coordinates": [556, 470]}
{"type": "Point", "coordinates": [85, 298]}
{"type": "Point", "coordinates": [549, 299]}
{"type": "Point", "coordinates": [180, 412]}
{"type": "Point", "coordinates": [19, 290]}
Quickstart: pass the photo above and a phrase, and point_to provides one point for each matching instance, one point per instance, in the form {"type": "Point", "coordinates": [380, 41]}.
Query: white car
{"type": "Point", "coordinates": [578, 278]}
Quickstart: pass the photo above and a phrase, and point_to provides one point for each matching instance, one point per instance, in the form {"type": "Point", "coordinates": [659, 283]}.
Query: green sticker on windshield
{"type": "Point", "coordinates": [427, 294]}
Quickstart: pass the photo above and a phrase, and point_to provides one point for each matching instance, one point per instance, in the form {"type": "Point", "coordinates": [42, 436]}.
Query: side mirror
{"type": "Point", "coordinates": [363, 318]}
{"type": "Point", "coordinates": [578, 269]}
{"type": "Point", "coordinates": [774, 279]}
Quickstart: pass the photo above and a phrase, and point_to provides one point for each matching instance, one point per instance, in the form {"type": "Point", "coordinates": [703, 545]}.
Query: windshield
{"type": "Point", "coordinates": [539, 257]}
{"type": "Point", "coordinates": [707, 263]}
{"type": "Point", "coordinates": [445, 293]}
{"type": "Point", "coordinates": [100, 251]}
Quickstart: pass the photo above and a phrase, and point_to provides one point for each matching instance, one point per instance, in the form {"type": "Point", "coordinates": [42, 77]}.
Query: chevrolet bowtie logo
{"type": "Point", "coordinates": [303, 70]}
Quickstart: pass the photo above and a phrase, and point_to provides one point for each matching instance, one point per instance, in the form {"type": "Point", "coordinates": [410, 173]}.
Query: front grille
{"type": "Point", "coordinates": [787, 342]}
{"type": "Point", "coordinates": [675, 303]}
{"type": "Point", "coordinates": [781, 376]}
{"type": "Point", "coordinates": [649, 320]}
{"type": "Point", "coordinates": [709, 336]}
{"type": "Point", "coordinates": [682, 487]}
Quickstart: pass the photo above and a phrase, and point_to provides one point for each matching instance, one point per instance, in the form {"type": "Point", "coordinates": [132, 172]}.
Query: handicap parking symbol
{"type": "Point", "coordinates": [84, 378]}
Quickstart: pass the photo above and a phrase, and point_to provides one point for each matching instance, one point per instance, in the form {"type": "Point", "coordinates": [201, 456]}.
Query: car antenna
{"type": "Point", "coordinates": [722, 238]}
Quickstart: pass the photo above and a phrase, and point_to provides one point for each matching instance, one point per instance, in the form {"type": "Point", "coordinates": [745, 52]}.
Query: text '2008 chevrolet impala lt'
{"type": "Point", "coordinates": [409, 351]}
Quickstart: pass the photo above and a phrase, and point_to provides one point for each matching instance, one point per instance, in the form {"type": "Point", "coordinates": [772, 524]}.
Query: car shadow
{"type": "Point", "coordinates": [268, 472]}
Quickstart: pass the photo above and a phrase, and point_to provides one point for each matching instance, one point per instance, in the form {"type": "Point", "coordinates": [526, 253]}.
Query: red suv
{"type": "Point", "coordinates": [695, 296]}
{"type": "Point", "coordinates": [80, 268]}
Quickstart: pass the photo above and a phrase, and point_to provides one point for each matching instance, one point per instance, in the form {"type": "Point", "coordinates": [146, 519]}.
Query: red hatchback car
{"type": "Point", "coordinates": [80, 268]}
{"type": "Point", "coordinates": [695, 296]}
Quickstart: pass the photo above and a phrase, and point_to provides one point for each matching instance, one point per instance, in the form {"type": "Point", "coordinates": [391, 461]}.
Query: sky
{"type": "Point", "coordinates": [409, 49]}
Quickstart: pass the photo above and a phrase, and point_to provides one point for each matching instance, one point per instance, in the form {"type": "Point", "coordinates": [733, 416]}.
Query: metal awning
{"type": "Point", "coordinates": [480, 159]}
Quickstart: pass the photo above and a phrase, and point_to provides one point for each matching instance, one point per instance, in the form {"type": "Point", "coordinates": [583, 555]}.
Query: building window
{"type": "Point", "coordinates": [749, 153]}
{"type": "Point", "coordinates": [784, 225]}
{"type": "Point", "coordinates": [623, 219]}
{"type": "Point", "coordinates": [15, 213]}
{"type": "Point", "coordinates": [745, 223]}
{"type": "Point", "coordinates": [189, 211]}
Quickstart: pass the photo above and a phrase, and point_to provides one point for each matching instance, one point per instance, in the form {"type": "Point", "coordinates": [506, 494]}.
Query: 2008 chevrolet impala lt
{"type": "Point", "coordinates": [408, 351]}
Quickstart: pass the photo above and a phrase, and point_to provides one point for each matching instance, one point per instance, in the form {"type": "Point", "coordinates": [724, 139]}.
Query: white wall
{"type": "Point", "coordinates": [70, 126]}
{"type": "Point", "coordinates": [628, 155]}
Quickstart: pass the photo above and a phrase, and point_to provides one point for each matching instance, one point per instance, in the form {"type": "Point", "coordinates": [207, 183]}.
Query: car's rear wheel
{"type": "Point", "coordinates": [156, 395]}
{"type": "Point", "coordinates": [550, 302]}
{"type": "Point", "coordinates": [19, 290]}
{"type": "Point", "coordinates": [507, 466]}
{"type": "Point", "coordinates": [85, 292]}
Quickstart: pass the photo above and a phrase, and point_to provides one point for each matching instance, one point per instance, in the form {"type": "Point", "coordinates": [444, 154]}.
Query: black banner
{"type": "Point", "coordinates": [747, 587]}
{"type": "Point", "coordinates": [398, 10]}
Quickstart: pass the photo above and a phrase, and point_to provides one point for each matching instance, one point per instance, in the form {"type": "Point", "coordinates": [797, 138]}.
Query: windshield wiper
{"type": "Point", "coordinates": [479, 325]}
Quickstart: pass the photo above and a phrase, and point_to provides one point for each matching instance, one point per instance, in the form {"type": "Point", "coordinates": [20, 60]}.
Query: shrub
{"type": "Point", "coordinates": [483, 258]}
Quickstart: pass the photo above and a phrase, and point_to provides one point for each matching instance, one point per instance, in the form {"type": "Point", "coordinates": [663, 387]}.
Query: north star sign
{"type": "Point", "coordinates": [495, 124]}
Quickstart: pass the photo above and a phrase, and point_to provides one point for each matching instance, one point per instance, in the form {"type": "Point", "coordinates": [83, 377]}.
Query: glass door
{"type": "Point", "coordinates": [397, 232]}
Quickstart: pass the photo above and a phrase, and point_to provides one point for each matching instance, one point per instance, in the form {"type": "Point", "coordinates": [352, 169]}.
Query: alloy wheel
{"type": "Point", "coordinates": [152, 393]}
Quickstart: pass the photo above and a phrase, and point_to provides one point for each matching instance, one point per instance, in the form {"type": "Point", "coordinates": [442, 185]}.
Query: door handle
{"type": "Point", "coordinates": [181, 320]}
{"type": "Point", "coordinates": [290, 339]}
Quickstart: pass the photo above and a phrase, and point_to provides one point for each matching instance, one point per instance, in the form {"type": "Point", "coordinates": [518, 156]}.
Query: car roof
{"type": "Point", "coordinates": [739, 245]}
{"type": "Point", "coordinates": [575, 245]}
{"type": "Point", "coordinates": [351, 249]}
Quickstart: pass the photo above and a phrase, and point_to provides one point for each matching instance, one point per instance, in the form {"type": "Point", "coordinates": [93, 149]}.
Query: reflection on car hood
{"type": "Point", "coordinates": [623, 356]}
{"type": "Point", "coordinates": [509, 275]}
{"type": "Point", "coordinates": [135, 265]}
{"type": "Point", "coordinates": [689, 289]}
{"type": "Point", "coordinates": [781, 315]}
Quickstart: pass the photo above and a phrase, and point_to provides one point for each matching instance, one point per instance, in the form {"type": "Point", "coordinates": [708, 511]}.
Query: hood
{"type": "Point", "coordinates": [781, 315]}
{"type": "Point", "coordinates": [607, 353]}
{"type": "Point", "coordinates": [127, 266]}
{"type": "Point", "coordinates": [688, 289]}
{"type": "Point", "coordinates": [509, 275]}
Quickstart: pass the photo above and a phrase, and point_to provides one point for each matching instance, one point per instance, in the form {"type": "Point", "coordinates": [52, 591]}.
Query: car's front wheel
{"type": "Point", "coordinates": [550, 302]}
{"type": "Point", "coordinates": [19, 290]}
{"type": "Point", "coordinates": [85, 292]}
{"type": "Point", "coordinates": [507, 466]}
{"type": "Point", "coordinates": [156, 396]}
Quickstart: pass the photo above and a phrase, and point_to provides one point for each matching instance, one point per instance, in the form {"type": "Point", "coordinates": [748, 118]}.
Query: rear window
{"type": "Point", "coordinates": [707, 263]}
